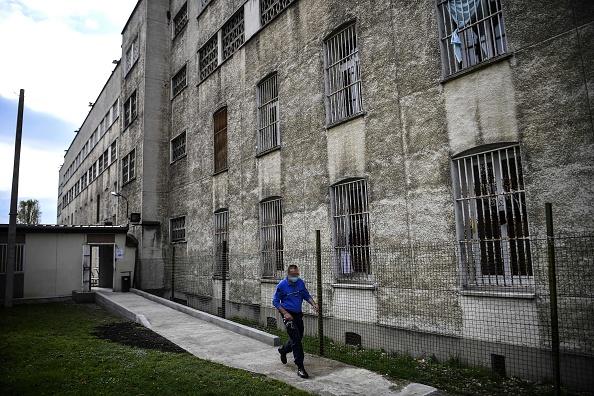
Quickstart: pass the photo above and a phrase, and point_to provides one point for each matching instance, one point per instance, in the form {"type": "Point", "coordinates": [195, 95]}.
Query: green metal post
{"type": "Point", "coordinates": [319, 287]}
{"type": "Point", "coordinates": [553, 299]}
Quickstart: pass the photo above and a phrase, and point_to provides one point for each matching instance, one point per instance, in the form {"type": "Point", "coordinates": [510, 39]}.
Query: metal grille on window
{"type": "Point", "coordinates": [350, 213]}
{"type": "Point", "coordinates": [178, 229]}
{"type": "Point", "coordinates": [179, 81]}
{"type": "Point", "coordinates": [209, 57]}
{"type": "Point", "coordinates": [221, 240]}
{"type": "Point", "coordinates": [203, 4]}
{"type": "Point", "coordinates": [178, 146]}
{"type": "Point", "coordinates": [19, 255]}
{"type": "Point", "coordinates": [268, 115]}
{"type": "Point", "coordinates": [269, 9]}
{"type": "Point", "coordinates": [493, 228]}
{"type": "Point", "coordinates": [180, 20]}
{"type": "Point", "coordinates": [271, 238]}
{"type": "Point", "coordinates": [233, 34]}
{"type": "Point", "coordinates": [220, 140]}
{"type": "Point", "coordinates": [343, 75]}
{"type": "Point", "coordinates": [471, 31]}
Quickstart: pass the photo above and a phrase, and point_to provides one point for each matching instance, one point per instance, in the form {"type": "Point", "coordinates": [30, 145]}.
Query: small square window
{"type": "Point", "coordinates": [177, 229]}
{"type": "Point", "coordinates": [178, 146]}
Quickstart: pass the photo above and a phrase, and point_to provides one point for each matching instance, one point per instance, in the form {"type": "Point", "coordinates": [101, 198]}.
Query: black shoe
{"type": "Point", "coordinates": [302, 373]}
{"type": "Point", "coordinates": [283, 355]}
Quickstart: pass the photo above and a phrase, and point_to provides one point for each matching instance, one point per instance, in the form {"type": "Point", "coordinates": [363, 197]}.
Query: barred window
{"type": "Point", "coordinates": [131, 56]}
{"type": "Point", "coordinates": [178, 146]}
{"type": "Point", "coordinates": [269, 9]}
{"type": "Point", "coordinates": [220, 140]}
{"type": "Point", "coordinates": [271, 238]}
{"type": "Point", "coordinates": [130, 110]}
{"type": "Point", "coordinates": [343, 75]}
{"type": "Point", "coordinates": [180, 20]}
{"type": "Point", "coordinates": [221, 240]}
{"type": "Point", "coordinates": [268, 115]}
{"type": "Point", "coordinates": [350, 215]}
{"type": "Point", "coordinates": [129, 167]}
{"type": "Point", "coordinates": [19, 258]}
{"type": "Point", "coordinates": [209, 57]}
{"type": "Point", "coordinates": [233, 34]}
{"type": "Point", "coordinates": [177, 228]}
{"type": "Point", "coordinates": [179, 81]}
{"type": "Point", "coordinates": [493, 223]}
{"type": "Point", "coordinates": [471, 32]}
{"type": "Point", "coordinates": [113, 152]}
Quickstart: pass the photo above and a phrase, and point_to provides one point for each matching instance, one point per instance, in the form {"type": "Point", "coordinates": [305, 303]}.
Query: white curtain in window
{"type": "Point", "coordinates": [462, 12]}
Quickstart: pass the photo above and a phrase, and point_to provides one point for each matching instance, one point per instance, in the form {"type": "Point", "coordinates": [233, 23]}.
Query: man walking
{"type": "Point", "coordinates": [288, 299]}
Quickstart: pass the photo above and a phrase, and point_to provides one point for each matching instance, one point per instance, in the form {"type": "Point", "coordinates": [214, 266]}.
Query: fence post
{"type": "Point", "coordinates": [553, 299]}
{"type": "Point", "coordinates": [319, 287]}
{"type": "Point", "coordinates": [224, 280]}
{"type": "Point", "coordinates": [173, 272]}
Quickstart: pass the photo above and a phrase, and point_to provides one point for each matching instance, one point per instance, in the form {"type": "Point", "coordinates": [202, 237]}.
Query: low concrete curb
{"type": "Point", "coordinates": [119, 310]}
{"type": "Point", "coordinates": [261, 336]}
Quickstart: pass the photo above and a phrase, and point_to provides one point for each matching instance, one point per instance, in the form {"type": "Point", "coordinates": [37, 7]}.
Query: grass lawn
{"type": "Point", "coordinates": [50, 349]}
{"type": "Point", "coordinates": [451, 376]}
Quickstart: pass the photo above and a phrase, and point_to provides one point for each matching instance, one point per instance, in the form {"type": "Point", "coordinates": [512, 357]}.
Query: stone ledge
{"type": "Point", "coordinates": [259, 335]}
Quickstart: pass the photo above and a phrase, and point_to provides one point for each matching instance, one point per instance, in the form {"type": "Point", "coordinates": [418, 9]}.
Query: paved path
{"type": "Point", "coordinates": [211, 342]}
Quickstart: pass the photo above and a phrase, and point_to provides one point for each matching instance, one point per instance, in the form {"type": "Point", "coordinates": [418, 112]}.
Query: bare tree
{"type": "Point", "coordinates": [29, 212]}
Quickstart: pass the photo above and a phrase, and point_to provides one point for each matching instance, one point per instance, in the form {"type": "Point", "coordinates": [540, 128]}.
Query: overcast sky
{"type": "Point", "coordinates": [60, 52]}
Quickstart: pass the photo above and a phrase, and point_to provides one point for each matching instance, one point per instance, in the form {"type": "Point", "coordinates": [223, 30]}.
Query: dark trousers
{"type": "Point", "coordinates": [295, 332]}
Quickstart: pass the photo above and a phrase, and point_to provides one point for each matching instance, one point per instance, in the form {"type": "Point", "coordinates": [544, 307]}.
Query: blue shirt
{"type": "Point", "coordinates": [290, 296]}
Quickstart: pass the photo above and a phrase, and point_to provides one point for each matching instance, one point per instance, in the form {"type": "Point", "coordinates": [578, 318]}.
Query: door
{"type": "Point", "coordinates": [106, 266]}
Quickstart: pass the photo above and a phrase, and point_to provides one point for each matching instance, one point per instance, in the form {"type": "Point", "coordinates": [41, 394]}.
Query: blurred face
{"type": "Point", "coordinates": [293, 274]}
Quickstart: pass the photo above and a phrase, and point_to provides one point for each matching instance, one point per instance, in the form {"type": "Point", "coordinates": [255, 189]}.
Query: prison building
{"type": "Point", "coordinates": [422, 139]}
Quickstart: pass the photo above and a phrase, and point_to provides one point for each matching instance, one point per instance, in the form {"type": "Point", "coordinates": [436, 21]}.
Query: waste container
{"type": "Point", "coordinates": [126, 281]}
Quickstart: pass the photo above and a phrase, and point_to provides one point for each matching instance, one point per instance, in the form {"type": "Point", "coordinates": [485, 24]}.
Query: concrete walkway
{"type": "Point", "coordinates": [212, 342]}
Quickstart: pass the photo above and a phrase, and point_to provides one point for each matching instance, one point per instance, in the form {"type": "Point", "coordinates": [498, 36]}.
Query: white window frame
{"type": "Point", "coordinates": [271, 238]}
{"type": "Point", "coordinates": [177, 225]}
{"type": "Point", "coordinates": [131, 56]}
{"type": "Point", "coordinates": [344, 99]}
{"type": "Point", "coordinates": [268, 115]}
{"type": "Point", "coordinates": [130, 109]}
{"type": "Point", "coordinates": [129, 167]}
{"type": "Point", "coordinates": [172, 142]}
{"type": "Point", "coordinates": [493, 253]}
{"type": "Point", "coordinates": [351, 230]}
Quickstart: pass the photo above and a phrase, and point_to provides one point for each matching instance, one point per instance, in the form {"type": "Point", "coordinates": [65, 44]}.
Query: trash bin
{"type": "Point", "coordinates": [126, 281]}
